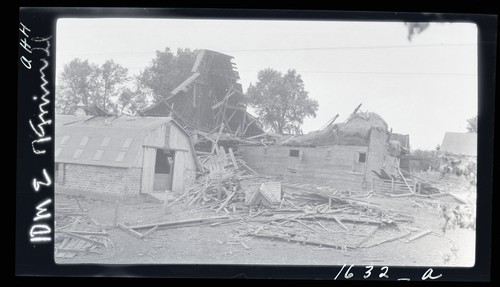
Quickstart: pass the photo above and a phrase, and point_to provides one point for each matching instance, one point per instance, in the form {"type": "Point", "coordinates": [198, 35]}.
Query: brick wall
{"type": "Point", "coordinates": [102, 179]}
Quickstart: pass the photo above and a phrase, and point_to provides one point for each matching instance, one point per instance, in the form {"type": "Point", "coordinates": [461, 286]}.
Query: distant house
{"type": "Point", "coordinates": [133, 155]}
{"type": "Point", "coordinates": [460, 144]}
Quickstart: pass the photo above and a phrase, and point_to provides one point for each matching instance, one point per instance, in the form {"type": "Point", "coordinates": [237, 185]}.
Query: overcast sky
{"type": "Point", "coordinates": [423, 88]}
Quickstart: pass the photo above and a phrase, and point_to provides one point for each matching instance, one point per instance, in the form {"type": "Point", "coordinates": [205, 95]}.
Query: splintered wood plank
{"type": "Point", "coordinates": [233, 159]}
{"type": "Point", "coordinates": [79, 245]}
{"type": "Point", "coordinates": [64, 242]}
{"type": "Point", "coordinates": [150, 231]}
{"type": "Point", "coordinates": [89, 233]}
{"type": "Point", "coordinates": [72, 242]}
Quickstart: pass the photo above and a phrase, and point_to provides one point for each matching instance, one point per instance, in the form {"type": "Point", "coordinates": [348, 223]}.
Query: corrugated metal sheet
{"type": "Point", "coordinates": [105, 141]}
{"type": "Point", "coordinates": [460, 143]}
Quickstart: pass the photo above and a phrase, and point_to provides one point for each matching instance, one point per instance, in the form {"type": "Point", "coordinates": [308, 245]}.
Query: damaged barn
{"type": "Point", "coordinates": [123, 155]}
{"type": "Point", "coordinates": [209, 100]}
{"type": "Point", "coordinates": [343, 154]}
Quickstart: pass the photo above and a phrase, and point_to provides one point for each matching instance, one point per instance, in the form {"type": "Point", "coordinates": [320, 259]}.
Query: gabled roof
{"type": "Point", "coordinates": [104, 141]}
{"type": "Point", "coordinates": [460, 143]}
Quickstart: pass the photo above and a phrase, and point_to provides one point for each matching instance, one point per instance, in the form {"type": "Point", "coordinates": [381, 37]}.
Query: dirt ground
{"type": "Point", "coordinates": [221, 244]}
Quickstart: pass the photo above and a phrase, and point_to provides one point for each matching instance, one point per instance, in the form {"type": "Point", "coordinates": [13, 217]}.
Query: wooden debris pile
{"type": "Point", "coordinates": [77, 232]}
{"type": "Point", "coordinates": [327, 217]}
{"type": "Point", "coordinates": [395, 185]}
{"type": "Point", "coordinates": [219, 186]}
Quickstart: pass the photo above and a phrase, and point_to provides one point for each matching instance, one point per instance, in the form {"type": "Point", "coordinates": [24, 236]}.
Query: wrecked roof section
{"type": "Point", "coordinates": [354, 131]}
{"type": "Point", "coordinates": [209, 98]}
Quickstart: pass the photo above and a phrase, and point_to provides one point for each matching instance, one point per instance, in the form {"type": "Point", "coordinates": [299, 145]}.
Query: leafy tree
{"type": "Point", "coordinates": [280, 101]}
{"type": "Point", "coordinates": [167, 71]}
{"type": "Point", "coordinates": [129, 101]}
{"type": "Point", "coordinates": [92, 84]}
{"type": "Point", "coordinates": [78, 81]}
{"type": "Point", "coordinates": [423, 159]}
{"type": "Point", "coordinates": [112, 75]}
{"type": "Point", "coordinates": [472, 125]}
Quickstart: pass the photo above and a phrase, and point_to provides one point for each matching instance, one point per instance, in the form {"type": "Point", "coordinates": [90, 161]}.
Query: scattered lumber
{"type": "Point", "coordinates": [225, 202]}
{"type": "Point", "coordinates": [80, 233]}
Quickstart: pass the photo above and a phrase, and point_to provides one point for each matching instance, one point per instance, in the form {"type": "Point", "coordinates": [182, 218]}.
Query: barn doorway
{"type": "Point", "coordinates": [359, 163]}
{"type": "Point", "coordinates": [164, 170]}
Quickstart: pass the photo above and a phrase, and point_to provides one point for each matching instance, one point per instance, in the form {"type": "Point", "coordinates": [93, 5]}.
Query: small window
{"type": "Point", "coordinates": [77, 153]}
{"type": "Point", "coordinates": [98, 154]}
{"type": "Point", "coordinates": [120, 156]}
{"type": "Point", "coordinates": [127, 143]}
{"type": "Point", "coordinates": [266, 151]}
{"type": "Point", "coordinates": [64, 140]}
{"type": "Point", "coordinates": [362, 157]}
{"type": "Point", "coordinates": [58, 151]}
{"type": "Point", "coordinates": [294, 153]}
{"type": "Point", "coordinates": [105, 141]}
{"type": "Point", "coordinates": [84, 141]}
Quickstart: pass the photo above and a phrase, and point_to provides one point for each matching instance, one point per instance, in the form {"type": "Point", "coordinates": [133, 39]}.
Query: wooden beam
{"type": "Point", "coordinates": [130, 230]}
{"type": "Point", "coordinates": [303, 241]}
{"type": "Point", "coordinates": [225, 202]}
{"type": "Point", "coordinates": [179, 222]}
{"type": "Point", "coordinates": [214, 146]}
{"type": "Point", "coordinates": [246, 128]}
{"type": "Point", "coordinates": [233, 159]}
{"type": "Point", "coordinates": [88, 232]}
{"type": "Point", "coordinates": [228, 95]}
{"type": "Point", "coordinates": [165, 147]}
{"type": "Point", "coordinates": [184, 85]}
{"type": "Point", "coordinates": [149, 231]}
{"type": "Point", "coordinates": [404, 179]}
{"type": "Point", "coordinates": [257, 136]}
